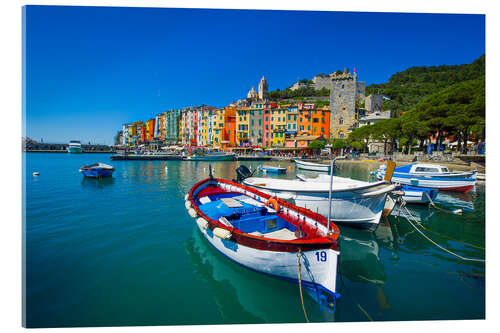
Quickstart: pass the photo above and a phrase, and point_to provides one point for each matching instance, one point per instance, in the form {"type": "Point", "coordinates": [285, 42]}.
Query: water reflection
{"type": "Point", "coordinates": [455, 200]}
{"type": "Point", "coordinates": [359, 256]}
{"type": "Point", "coordinates": [242, 296]}
{"type": "Point", "coordinates": [97, 182]}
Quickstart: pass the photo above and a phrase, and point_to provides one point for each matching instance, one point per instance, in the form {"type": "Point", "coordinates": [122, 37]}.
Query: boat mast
{"type": "Point", "coordinates": [330, 196]}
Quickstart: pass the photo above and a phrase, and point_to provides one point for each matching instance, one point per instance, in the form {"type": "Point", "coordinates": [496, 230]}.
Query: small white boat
{"type": "Point", "coordinates": [312, 166]}
{"type": "Point", "coordinates": [97, 170]}
{"type": "Point", "coordinates": [418, 195]}
{"type": "Point", "coordinates": [236, 220]}
{"type": "Point", "coordinates": [273, 169]}
{"type": "Point", "coordinates": [354, 202]}
{"type": "Point", "coordinates": [212, 156]}
{"type": "Point", "coordinates": [431, 176]}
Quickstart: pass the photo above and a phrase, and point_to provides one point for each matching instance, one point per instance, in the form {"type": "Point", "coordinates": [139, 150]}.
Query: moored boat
{"type": "Point", "coordinates": [431, 176]}
{"type": "Point", "coordinates": [418, 195]}
{"type": "Point", "coordinates": [273, 169]}
{"type": "Point", "coordinates": [212, 156]}
{"type": "Point", "coordinates": [312, 166]}
{"type": "Point", "coordinates": [74, 147]}
{"type": "Point", "coordinates": [354, 202]}
{"type": "Point", "coordinates": [283, 240]}
{"type": "Point", "coordinates": [97, 170]}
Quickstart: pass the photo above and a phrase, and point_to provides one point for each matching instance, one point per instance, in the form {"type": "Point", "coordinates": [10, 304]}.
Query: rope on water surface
{"type": "Point", "coordinates": [300, 285]}
{"type": "Point", "coordinates": [436, 244]}
{"type": "Point", "coordinates": [403, 205]}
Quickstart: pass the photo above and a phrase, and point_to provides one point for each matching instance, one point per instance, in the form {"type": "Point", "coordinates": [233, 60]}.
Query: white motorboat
{"type": "Point", "coordinates": [354, 202]}
{"type": "Point", "coordinates": [312, 166]}
{"type": "Point", "coordinates": [432, 176]}
{"type": "Point", "coordinates": [75, 147]}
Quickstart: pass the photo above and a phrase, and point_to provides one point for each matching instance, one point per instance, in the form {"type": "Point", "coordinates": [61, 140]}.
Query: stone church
{"type": "Point", "coordinates": [262, 94]}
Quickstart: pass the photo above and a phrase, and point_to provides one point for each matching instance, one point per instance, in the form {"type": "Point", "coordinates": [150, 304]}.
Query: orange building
{"type": "Point", "coordinates": [229, 132]}
{"type": "Point", "coordinates": [150, 127]}
{"type": "Point", "coordinates": [143, 132]}
{"type": "Point", "coordinates": [313, 121]}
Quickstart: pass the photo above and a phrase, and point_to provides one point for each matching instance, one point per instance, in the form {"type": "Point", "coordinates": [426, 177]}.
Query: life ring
{"type": "Point", "coordinates": [274, 203]}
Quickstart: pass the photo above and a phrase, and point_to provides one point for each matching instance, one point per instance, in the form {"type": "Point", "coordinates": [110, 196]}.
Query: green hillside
{"type": "Point", "coordinates": [457, 110]}
{"type": "Point", "coordinates": [411, 86]}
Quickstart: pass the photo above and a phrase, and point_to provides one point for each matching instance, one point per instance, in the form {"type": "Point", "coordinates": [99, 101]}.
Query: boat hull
{"type": "Point", "coordinates": [417, 195]}
{"type": "Point", "coordinates": [348, 207]}
{"type": "Point", "coordinates": [75, 150]}
{"type": "Point", "coordinates": [273, 170]}
{"type": "Point", "coordinates": [212, 158]}
{"type": "Point", "coordinates": [316, 274]}
{"type": "Point", "coordinates": [445, 184]}
{"type": "Point", "coordinates": [312, 166]}
{"type": "Point", "coordinates": [97, 173]}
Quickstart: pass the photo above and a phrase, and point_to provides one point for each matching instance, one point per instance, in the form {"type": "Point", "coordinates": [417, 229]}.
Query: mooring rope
{"type": "Point", "coordinates": [300, 286]}
{"type": "Point", "coordinates": [436, 244]}
{"type": "Point", "coordinates": [444, 236]}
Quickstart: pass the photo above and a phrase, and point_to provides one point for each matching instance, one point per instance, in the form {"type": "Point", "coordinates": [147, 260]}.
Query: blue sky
{"type": "Point", "coordinates": [91, 69]}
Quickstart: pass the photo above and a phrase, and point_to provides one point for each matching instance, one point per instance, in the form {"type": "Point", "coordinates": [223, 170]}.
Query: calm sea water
{"type": "Point", "coordinates": [124, 251]}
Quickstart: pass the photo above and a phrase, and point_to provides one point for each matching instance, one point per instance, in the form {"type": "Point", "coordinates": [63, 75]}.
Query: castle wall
{"type": "Point", "coordinates": [321, 82]}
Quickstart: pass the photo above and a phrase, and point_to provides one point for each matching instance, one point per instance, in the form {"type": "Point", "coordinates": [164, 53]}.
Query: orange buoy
{"type": "Point", "coordinates": [272, 202]}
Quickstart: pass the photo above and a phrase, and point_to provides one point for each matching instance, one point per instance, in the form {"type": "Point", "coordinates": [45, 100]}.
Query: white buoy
{"type": "Point", "coordinates": [457, 211]}
{"type": "Point", "coordinates": [36, 173]}
{"type": "Point", "coordinates": [202, 223]}
{"type": "Point", "coordinates": [192, 213]}
{"type": "Point", "coordinates": [222, 233]}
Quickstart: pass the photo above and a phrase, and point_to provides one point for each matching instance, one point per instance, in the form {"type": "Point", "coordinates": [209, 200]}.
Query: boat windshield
{"type": "Point", "coordinates": [426, 169]}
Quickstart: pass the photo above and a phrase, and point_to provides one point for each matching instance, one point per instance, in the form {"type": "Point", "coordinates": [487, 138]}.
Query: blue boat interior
{"type": "Point", "coordinates": [250, 216]}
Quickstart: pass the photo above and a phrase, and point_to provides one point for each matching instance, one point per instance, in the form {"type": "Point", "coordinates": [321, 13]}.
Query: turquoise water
{"type": "Point", "coordinates": [124, 251]}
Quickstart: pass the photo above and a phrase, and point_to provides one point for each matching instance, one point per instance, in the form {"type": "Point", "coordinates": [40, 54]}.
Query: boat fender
{"type": "Point", "coordinates": [222, 233]}
{"type": "Point", "coordinates": [192, 213]}
{"type": "Point", "coordinates": [186, 196]}
{"type": "Point", "coordinates": [272, 202]}
{"type": "Point", "coordinates": [457, 211]}
{"type": "Point", "coordinates": [187, 204]}
{"type": "Point", "coordinates": [202, 223]}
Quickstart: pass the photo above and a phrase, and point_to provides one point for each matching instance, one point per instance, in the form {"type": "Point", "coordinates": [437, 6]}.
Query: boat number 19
{"type": "Point", "coordinates": [321, 256]}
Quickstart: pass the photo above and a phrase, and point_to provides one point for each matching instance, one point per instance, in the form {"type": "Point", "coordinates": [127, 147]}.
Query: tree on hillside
{"type": "Point", "coordinates": [411, 86]}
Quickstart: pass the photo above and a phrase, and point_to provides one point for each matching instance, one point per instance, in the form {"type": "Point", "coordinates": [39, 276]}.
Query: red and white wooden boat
{"type": "Point", "coordinates": [267, 234]}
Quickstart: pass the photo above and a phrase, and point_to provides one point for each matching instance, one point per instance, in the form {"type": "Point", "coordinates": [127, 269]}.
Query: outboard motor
{"type": "Point", "coordinates": [242, 173]}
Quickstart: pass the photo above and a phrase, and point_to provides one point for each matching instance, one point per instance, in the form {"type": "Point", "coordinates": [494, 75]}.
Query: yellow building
{"type": "Point", "coordinates": [278, 125]}
{"type": "Point", "coordinates": [133, 133]}
{"type": "Point", "coordinates": [217, 127]}
{"type": "Point", "coordinates": [204, 128]}
{"type": "Point", "coordinates": [242, 123]}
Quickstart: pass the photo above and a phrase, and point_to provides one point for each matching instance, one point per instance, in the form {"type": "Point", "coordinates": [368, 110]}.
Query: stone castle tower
{"type": "Point", "coordinates": [345, 90]}
{"type": "Point", "coordinates": [263, 93]}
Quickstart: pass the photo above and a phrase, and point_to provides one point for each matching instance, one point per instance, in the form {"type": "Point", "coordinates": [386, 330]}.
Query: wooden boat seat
{"type": "Point", "coordinates": [205, 200]}
{"type": "Point", "coordinates": [283, 234]}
